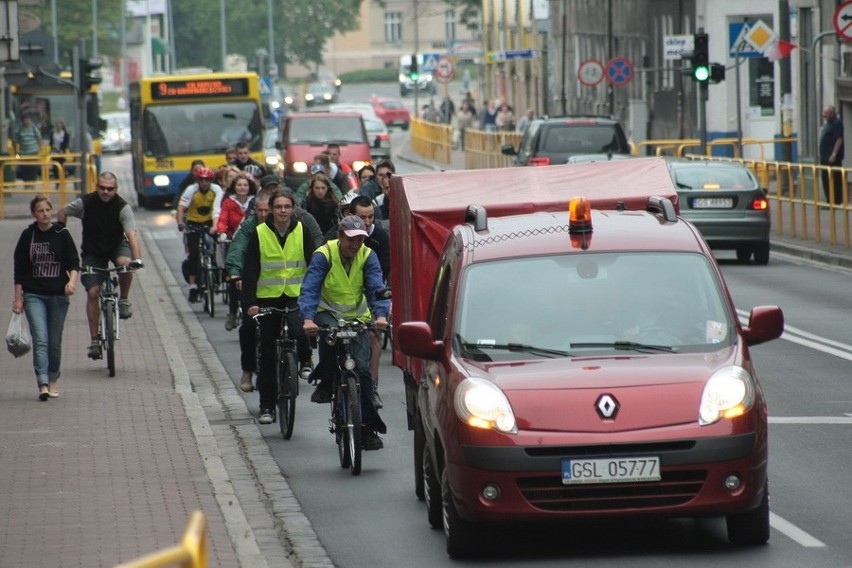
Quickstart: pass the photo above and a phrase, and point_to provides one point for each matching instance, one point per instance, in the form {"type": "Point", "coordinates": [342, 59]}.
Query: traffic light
{"type": "Point", "coordinates": [701, 58]}
{"type": "Point", "coordinates": [717, 72]}
{"type": "Point", "coordinates": [414, 68]}
{"type": "Point", "coordinates": [87, 78]}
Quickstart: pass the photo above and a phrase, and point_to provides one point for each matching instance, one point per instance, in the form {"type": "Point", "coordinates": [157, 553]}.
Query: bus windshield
{"type": "Point", "coordinates": [194, 129]}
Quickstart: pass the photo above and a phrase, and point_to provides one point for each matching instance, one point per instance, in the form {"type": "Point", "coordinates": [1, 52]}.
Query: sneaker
{"type": "Point", "coordinates": [305, 370]}
{"type": "Point", "coordinates": [266, 416]}
{"type": "Point", "coordinates": [193, 295]}
{"type": "Point", "coordinates": [245, 382]}
{"type": "Point", "coordinates": [370, 440]}
{"type": "Point", "coordinates": [231, 322]}
{"type": "Point", "coordinates": [377, 400]}
{"type": "Point", "coordinates": [95, 351]}
{"type": "Point", "coordinates": [124, 309]}
{"type": "Point", "coordinates": [321, 395]}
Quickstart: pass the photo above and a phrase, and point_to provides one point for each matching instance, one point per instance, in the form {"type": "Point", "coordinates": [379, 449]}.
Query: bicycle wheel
{"type": "Point", "coordinates": [339, 414]}
{"type": "Point", "coordinates": [288, 389]}
{"type": "Point", "coordinates": [352, 432]}
{"type": "Point", "coordinates": [211, 290]}
{"type": "Point", "coordinates": [108, 308]}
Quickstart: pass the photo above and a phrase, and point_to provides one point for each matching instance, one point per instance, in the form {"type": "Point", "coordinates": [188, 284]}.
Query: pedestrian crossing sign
{"type": "Point", "coordinates": [265, 87]}
{"type": "Point", "coordinates": [430, 62]}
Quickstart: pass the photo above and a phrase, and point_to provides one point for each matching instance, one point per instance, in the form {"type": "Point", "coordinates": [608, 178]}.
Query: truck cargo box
{"type": "Point", "coordinates": [425, 207]}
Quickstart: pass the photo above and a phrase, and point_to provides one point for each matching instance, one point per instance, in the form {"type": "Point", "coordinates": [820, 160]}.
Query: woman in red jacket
{"type": "Point", "coordinates": [231, 214]}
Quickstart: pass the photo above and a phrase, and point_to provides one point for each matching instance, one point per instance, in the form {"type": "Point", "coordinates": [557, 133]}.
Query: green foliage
{"type": "Point", "coordinates": [300, 28]}
{"type": "Point", "coordinates": [470, 14]}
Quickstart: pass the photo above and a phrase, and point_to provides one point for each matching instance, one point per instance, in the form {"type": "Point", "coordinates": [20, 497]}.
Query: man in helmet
{"type": "Point", "coordinates": [244, 159]}
{"type": "Point", "coordinates": [195, 216]}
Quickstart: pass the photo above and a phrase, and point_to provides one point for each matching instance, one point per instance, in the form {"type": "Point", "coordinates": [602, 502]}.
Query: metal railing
{"type": "Point", "coordinates": [56, 175]}
{"type": "Point", "coordinates": [190, 553]}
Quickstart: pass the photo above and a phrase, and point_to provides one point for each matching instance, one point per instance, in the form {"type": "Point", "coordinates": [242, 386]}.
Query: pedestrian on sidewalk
{"type": "Point", "coordinates": [46, 269]}
{"type": "Point", "coordinates": [831, 154]}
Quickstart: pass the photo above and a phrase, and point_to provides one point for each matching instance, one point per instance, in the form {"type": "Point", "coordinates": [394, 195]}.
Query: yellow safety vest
{"type": "Point", "coordinates": [343, 294]}
{"type": "Point", "coordinates": [200, 209]}
{"type": "Point", "coordinates": [282, 269]}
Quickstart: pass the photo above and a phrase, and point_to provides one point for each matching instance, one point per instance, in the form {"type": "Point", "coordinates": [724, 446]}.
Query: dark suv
{"type": "Point", "coordinates": [550, 141]}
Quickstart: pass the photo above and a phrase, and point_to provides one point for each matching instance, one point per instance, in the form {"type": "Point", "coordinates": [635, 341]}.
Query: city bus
{"type": "Point", "coordinates": [175, 119]}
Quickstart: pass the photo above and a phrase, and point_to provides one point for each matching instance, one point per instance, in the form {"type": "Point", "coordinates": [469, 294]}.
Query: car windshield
{"type": "Point", "coordinates": [325, 129]}
{"type": "Point", "coordinates": [580, 139]}
{"type": "Point", "coordinates": [199, 128]}
{"type": "Point", "coordinates": [588, 304]}
{"type": "Point", "coordinates": [713, 177]}
{"type": "Point", "coordinates": [391, 104]}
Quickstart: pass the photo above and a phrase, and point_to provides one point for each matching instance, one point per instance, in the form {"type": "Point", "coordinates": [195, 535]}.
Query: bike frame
{"type": "Point", "coordinates": [286, 355]}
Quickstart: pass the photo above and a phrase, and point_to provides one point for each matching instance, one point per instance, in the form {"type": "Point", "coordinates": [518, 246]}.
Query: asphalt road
{"type": "Point", "coordinates": [374, 520]}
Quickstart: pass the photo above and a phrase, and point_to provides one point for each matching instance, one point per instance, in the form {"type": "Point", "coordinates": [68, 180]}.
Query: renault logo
{"type": "Point", "coordinates": [607, 406]}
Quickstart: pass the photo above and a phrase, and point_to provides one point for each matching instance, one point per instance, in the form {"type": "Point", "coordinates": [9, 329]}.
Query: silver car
{"type": "Point", "coordinates": [379, 137]}
{"type": "Point", "coordinates": [116, 137]}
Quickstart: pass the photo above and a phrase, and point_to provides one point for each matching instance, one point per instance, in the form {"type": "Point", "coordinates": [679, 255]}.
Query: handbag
{"type": "Point", "coordinates": [17, 337]}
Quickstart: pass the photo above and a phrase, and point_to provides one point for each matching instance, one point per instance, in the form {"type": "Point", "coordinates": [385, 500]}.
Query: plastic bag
{"type": "Point", "coordinates": [17, 337]}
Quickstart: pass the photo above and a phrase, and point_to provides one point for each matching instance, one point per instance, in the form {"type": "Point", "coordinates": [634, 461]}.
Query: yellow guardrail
{"type": "Point", "coordinates": [53, 179]}
{"type": "Point", "coordinates": [432, 140]}
{"type": "Point", "coordinates": [190, 553]}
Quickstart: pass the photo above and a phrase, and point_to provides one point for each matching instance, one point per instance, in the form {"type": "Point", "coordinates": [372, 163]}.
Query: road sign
{"type": "Point", "coordinates": [674, 46]}
{"type": "Point", "coordinates": [430, 62]}
{"type": "Point", "coordinates": [445, 70]}
{"type": "Point", "coordinates": [509, 55]}
{"type": "Point", "coordinates": [843, 21]}
{"type": "Point", "coordinates": [591, 72]}
{"type": "Point", "coordinates": [736, 36]}
{"type": "Point", "coordinates": [619, 71]}
{"type": "Point", "coordinates": [265, 86]}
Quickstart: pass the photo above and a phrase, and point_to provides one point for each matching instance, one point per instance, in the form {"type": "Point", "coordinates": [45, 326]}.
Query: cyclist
{"type": "Point", "coordinates": [109, 234]}
{"type": "Point", "coordinates": [231, 214]}
{"type": "Point", "coordinates": [342, 280]}
{"type": "Point", "coordinates": [243, 158]}
{"type": "Point", "coordinates": [276, 260]}
{"type": "Point", "coordinates": [195, 211]}
{"type": "Point", "coordinates": [257, 211]}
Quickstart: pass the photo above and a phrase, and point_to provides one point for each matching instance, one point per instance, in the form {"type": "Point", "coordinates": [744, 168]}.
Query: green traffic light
{"type": "Point", "coordinates": [413, 75]}
{"type": "Point", "coordinates": [701, 73]}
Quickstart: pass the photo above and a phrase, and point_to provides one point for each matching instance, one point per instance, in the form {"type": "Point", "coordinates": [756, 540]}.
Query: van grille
{"type": "Point", "coordinates": [549, 494]}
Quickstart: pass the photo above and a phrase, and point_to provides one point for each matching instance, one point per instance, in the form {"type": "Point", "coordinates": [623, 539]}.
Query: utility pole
{"type": "Point", "coordinates": [77, 53]}
{"type": "Point", "coordinates": [785, 79]}
{"type": "Point", "coordinates": [416, 53]}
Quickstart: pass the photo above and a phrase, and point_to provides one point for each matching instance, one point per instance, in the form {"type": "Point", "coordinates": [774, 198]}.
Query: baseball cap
{"type": "Point", "coordinates": [317, 168]}
{"type": "Point", "coordinates": [352, 226]}
{"type": "Point", "coordinates": [270, 180]}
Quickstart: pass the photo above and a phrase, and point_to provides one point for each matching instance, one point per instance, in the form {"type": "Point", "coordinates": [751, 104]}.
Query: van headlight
{"type": "Point", "coordinates": [300, 167]}
{"type": "Point", "coordinates": [481, 404]}
{"type": "Point", "coordinates": [729, 393]}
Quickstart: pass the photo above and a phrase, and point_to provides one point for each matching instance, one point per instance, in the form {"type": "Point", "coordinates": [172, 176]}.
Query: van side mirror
{"type": "Point", "coordinates": [415, 340]}
{"type": "Point", "coordinates": [765, 323]}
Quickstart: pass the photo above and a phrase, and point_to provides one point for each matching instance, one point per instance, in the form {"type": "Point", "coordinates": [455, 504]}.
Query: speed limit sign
{"type": "Point", "coordinates": [590, 72]}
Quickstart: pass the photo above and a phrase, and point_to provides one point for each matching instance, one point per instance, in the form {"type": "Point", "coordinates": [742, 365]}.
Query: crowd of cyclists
{"type": "Point", "coordinates": [323, 248]}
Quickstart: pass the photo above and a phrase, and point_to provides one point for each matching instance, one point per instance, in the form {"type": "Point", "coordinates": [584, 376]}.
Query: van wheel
{"type": "Point", "coordinates": [751, 528]}
{"type": "Point", "coordinates": [431, 490]}
{"type": "Point", "coordinates": [461, 534]}
{"type": "Point", "coordinates": [419, 446]}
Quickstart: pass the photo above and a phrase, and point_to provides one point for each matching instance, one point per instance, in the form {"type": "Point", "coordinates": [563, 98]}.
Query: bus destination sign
{"type": "Point", "coordinates": [163, 90]}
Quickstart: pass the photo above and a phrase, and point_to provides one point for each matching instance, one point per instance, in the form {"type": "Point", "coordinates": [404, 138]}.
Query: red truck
{"type": "Point", "coordinates": [569, 357]}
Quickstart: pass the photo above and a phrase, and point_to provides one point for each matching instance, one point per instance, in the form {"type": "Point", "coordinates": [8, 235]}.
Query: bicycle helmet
{"type": "Point", "coordinates": [205, 173]}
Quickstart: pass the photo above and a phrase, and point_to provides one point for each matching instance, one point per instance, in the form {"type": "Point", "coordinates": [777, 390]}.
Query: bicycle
{"type": "Point", "coordinates": [207, 278]}
{"type": "Point", "coordinates": [108, 326]}
{"type": "Point", "coordinates": [345, 421]}
{"type": "Point", "coordinates": [221, 255]}
{"type": "Point", "coordinates": [286, 369]}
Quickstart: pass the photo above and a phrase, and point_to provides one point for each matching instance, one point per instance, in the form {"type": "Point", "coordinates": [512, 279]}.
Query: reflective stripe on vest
{"type": "Point", "coordinates": [343, 294]}
{"type": "Point", "coordinates": [282, 269]}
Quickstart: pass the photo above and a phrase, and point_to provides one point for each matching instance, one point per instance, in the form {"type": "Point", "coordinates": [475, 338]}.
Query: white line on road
{"type": "Point", "coordinates": [806, 339]}
{"type": "Point", "coordinates": [810, 419]}
{"type": "Point", "coordinates": [793, 532]}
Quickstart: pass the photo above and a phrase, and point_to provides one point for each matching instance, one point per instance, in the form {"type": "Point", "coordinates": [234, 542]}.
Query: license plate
{"type": "Point", "coordinates": [712, 203]}
{"type": "Point", "coordinates": [610, 470]}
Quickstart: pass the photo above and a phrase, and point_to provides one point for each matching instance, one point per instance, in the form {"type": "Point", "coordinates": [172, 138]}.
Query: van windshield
{"type": "Point", "coordinates": [582, 139]}
{"type": "Point", "coordinates": [326, 129]}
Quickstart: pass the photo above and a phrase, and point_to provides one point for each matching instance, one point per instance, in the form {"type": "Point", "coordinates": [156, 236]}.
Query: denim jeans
{"type": "Point", "coordinates": [46, 318]}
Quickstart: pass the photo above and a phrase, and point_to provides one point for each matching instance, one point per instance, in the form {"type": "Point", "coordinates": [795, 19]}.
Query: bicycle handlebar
{"type": "Point", "coordinates": [133, 266]}
{"type": "Point", "coordinates": [269, 311]}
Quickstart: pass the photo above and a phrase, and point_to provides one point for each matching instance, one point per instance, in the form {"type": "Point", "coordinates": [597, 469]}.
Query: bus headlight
{"type": "Point", "coordinates": [481, 404]}
{"type": "Point", "coordinates": [161, 180]}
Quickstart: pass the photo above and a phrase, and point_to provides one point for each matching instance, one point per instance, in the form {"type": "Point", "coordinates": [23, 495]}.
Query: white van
{"type": "Point", "coordinates": [425, 81]}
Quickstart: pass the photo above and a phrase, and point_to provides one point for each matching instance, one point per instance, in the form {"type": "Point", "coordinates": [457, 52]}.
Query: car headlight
{"type": "Point", "coordinates": [275, 104]}
{"type": "Point", "coordinates": [300, 167]}
{"type": "Point", "coordinates": [402, 77]}
{"type": "Point", "coordinates": [309, 97]}
{"type": "Point", "coordinates": [729, 393]}
{"type": "Point", "coordinates": [272, 160]}
{"type": "Point", "coordinates": [358, 164]}
{"type": "Point", "coordinates": [161, 180]}
{"type": "Point", "coordinates": [326, 96]}
{"type": "Point", "coordinates": [481, 404]}
{"type": "Point", "coordinates": [288, 100]}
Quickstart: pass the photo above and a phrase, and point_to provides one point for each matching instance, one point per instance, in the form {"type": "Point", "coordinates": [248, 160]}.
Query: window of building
{"type": "Point", "coordinates": [450, 25]}
{"type": "Point", "coordinates": [762, 85]}
{"type": "Point", "coordinates": [393, 27]}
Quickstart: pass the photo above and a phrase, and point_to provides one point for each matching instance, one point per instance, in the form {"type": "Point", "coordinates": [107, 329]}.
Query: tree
{"type": "Point", "coordinates": [471, 12]}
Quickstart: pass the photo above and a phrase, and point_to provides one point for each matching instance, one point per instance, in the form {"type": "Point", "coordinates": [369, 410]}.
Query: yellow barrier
{"type": "Point", "coordinates": [190, 553]}
{"type": "Point", "coordinates": [432, 140]}
{"type": "Point", "coordinates": [483, 150]}
{"type": "Point", "coordinates": [53, 179]}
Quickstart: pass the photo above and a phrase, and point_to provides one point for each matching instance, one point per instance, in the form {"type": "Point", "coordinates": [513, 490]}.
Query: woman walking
{"type": "Point", "coordinates": [46, 270]}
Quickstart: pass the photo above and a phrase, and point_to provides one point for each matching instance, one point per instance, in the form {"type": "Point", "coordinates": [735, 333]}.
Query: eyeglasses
{"type": "Point", "coordinates": [107, 188]}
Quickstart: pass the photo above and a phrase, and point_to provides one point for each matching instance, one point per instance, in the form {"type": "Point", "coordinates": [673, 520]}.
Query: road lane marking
{"type": "Point", "coordinates": [793, 532]}
{"type": "Point", "coordinates": [810, 419]}
{"type": "Point", "coordinates": [807, 339]}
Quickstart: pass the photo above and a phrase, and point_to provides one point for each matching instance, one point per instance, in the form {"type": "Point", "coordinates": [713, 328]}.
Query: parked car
{"type": "Point", "coordinates": [725, 201]}
{"type": "Point", "coordinates": [549, 141]}
{"type": "Point", "coordinates": [303, 135]}
{"type": "Point", "coordinates": [392, 111]}
{"type": "Point", "coordinates": [329, 77]}
{"type": "Point", "coordinates": [116, 136]}
{"type": "Point", "coordinates": [320, 93]}
{"type": "Point", "coordinates": [377, 133]}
